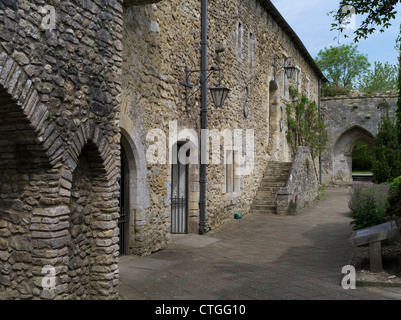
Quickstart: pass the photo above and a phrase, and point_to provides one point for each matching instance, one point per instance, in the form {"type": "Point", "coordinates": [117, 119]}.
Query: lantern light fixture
{"type": "Point", "coordinates": [289, 69]}
{"type": "Point", "coordinates": [219, 93]}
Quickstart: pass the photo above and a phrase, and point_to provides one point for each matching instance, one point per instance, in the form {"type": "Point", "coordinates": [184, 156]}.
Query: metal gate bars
{"type": "Point", "coordinates": [179, 196]}
{"type": "Point", "coordinates": [178, 215]}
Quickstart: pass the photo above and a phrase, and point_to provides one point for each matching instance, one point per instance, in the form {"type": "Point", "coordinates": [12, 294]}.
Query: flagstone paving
{"type": "Point", "coordinates": [261, 256]}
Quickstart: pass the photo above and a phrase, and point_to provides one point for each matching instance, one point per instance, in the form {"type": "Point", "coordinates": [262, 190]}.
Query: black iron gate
{"type": "Point", "coordinates": [123, 221]}
{"type": "Point", "coordinates": [179, 196]}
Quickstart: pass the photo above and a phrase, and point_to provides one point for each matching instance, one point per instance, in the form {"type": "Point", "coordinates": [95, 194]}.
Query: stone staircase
{"type": "Point", "coordinates": [274, 178]}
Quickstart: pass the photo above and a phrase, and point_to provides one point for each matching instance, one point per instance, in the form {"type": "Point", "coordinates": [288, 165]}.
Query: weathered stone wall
{"type": "Point", "coordinates": [350, 119]}
{"type": "Point", "coordinates": [302, 184]}
{"type": "Point", "coordinates": [160, 40]}
{"type": "Point", "coordinates": [60, 67]}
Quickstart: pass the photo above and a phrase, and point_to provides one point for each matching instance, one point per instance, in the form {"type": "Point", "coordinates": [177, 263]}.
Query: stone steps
{"type": "Point", "coordinates": [274, 178]}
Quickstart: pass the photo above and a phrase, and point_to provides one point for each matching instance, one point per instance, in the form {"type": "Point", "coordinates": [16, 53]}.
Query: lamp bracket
{"type": "Point", "coordinates": [188, 86]}
{"type": "Point", "coordinates": [285, 65]}
{"type": "Point", "coordinates": [246, 101]}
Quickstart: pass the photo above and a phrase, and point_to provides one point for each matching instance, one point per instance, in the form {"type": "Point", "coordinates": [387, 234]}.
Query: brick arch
{"type": "Point", "coordinates": [93, 247]}
{"type": "Point", "coordinates": [93, 219]}
{"type": "Point", "coordinates": [89, 132]}
{"type": "Point", "coordinates": [30, 148]}
{"type": "Point", "coordinates": [28, 121]}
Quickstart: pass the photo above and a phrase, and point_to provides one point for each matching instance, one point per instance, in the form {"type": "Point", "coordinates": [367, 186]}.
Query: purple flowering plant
{"type": "Point", "coordinates": [368, 203]}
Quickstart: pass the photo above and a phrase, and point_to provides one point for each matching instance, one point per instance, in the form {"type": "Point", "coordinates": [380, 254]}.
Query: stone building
{"type": "Point", "coordinates": [160, 41]}
{"type": "Point", "coordinates": [87, 90]}
{"type": "Point", "coordinates": [349, 120]}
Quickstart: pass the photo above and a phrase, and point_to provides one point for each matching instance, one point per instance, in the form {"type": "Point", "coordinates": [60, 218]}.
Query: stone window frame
{"type": "Point", "coordinates": [251, 48]}
{"type": "Point", "coordinates": [285, 83]}
{"type": "Point", "coordinates": [231, 173]}
{"type": "Point", "coordinates": [240, 39]}
{"type": "Point", "coordinates": [298, 78]}
{"type": "Point", "coordinates": [308, 87]}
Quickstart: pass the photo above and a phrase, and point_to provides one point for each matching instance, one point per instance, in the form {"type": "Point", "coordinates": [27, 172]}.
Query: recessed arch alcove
{"type": "Point", "coordinates": [136, 192]}
{"type": "Point", "coordinates": [274, 118]}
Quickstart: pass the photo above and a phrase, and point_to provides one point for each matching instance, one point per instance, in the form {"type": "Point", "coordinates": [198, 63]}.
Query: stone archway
{"type": "Point", "coordinates": [93, 249]}
{"type": "Point", "coordinates": [93, 245]}
{"type": "Point", "coordinates": [138, 191]}
{"type": "Point", "coordinates": [29, 187]}
{"type": "Point", "coordinates": [342, 151]}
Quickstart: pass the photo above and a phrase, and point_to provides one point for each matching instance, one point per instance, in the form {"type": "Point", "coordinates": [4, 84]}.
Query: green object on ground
{"type": "Point", "coordinates": [237, 215]}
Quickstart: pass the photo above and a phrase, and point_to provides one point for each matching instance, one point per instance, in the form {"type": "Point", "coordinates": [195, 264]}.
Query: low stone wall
{"type": "Point", "coordinates": [302, 184]}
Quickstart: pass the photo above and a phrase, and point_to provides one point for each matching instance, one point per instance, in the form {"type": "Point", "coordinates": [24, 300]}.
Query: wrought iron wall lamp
{"type": "Point", "coordinates": [289, 69]}
{"type": "Point", "coordinates": [219, 93]}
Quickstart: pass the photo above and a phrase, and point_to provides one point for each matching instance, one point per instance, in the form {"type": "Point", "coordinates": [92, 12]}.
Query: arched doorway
{"type": "Point", "coordinates": [362, 157]}
{"type": "Point", "coordinates": [179, 191]}
{"type": "Point", "coordinates": [274, 119]}
{"type": "Point", "coordinates": [134, 191]}
{"type": "Point", "coordinates": [343, 150]}
{"type": "Point", "coordinates": [124, 205]}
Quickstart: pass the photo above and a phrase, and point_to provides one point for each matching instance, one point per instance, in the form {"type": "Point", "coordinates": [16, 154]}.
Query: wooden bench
{"type": "Point", "coordinates": [374, 236]}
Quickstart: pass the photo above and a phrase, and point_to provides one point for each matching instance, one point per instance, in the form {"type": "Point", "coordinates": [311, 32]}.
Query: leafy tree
{"type": "Point", "coordinates": [343, 64]}
{"type": "Point", "coordinates": [378, 14]}
{"type": "Point", "coordinates": [305, 127]}
{"type": "Point", "coordinates": [382, 77]}
{"type": "Point", "coordinates": [398, 106]}
{"type": "Point", "coordinates": [362, 157]}
{"type": "Point", "coordinates": [387, 154]}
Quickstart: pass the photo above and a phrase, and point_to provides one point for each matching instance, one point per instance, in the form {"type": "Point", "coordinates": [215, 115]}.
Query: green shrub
{"type": "Point", "coordinates": [395, 186]}
{"type": "Point", "coordinates": [387, 154]}
{"type": "Point", "coordinates": [332, 90]}
{"type": "Point", "coordinates": [368, 204]}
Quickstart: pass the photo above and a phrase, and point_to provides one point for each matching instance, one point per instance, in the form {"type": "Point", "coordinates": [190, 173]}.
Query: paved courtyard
{"type": "Point", "coordinates": [257, 257]}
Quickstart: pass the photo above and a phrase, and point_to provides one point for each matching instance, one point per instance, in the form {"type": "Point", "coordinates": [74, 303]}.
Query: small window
{"type": "Point", "coordinates": [231, 171]}
{"type": "Point", "coordinates": [240, 33]}
{"type": "Point", "coordinates": [298, 79]}
{"type": "Point", "coordinates": [285, 84]}
{"type": "Point", "coordinates": [308, 88]}
{"type": "Point", "coordinates": [251, 53]}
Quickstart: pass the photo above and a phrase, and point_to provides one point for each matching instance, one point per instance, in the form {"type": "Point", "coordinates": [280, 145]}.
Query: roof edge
{"type": "Point", "coordinates": [270, 8]}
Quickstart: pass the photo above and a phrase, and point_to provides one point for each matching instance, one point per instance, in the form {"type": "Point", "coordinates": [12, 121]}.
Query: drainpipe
{"type": "Point", "coordinates": [203, 78]}
{"type": "Point", "coordinates": [320, 152]}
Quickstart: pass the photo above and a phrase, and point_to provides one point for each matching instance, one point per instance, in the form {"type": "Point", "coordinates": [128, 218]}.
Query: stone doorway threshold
{"type": "Point", "coordinates": [193, 240]}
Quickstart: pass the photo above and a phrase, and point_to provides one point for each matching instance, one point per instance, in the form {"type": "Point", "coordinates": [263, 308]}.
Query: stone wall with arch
{"type": "Point", "coordinates": [349, 120]}
{"type": "Point", "coordinates": [59, 140]}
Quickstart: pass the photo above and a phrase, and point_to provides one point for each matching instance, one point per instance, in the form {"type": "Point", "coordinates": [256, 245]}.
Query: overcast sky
{"type": "Point", "coordinates": [311, 22]}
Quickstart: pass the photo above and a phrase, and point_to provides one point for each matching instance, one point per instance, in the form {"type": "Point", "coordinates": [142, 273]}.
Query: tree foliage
{"type": "Point", "coordinates": [387, 154]}
{"type": "Point", "coordinates": [305, 127]}
{"type": "Point", "coordinates": [342, 65]}
{"type": "Point", "coordinates": [377, 13]}
{"type": "Point", "coordinates": [362, 157]}
{"type": "Point", "coordinates": [382, 77]}
{"type": "Point", "coordinates": [398, 106]}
